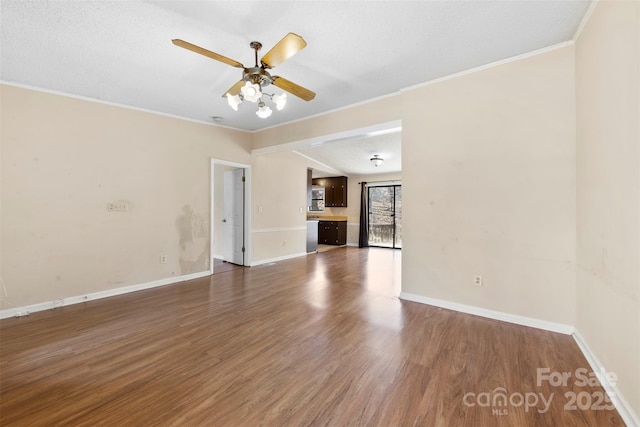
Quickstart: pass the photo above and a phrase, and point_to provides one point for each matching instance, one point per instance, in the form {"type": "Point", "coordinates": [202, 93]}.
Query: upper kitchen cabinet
{"type": "Point", "coordinates": [335, 191]}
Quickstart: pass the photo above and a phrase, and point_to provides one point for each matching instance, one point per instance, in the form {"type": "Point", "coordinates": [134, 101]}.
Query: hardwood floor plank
{"type": "Point", "coordinates": [320, 340]}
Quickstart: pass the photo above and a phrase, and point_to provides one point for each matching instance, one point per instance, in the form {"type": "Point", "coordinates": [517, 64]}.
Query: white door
{"type": "Point", "coordinates": [233, 222]}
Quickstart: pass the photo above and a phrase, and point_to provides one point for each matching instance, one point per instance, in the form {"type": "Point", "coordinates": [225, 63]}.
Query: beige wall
{"type": "Point", "coordinates": [489, 188]}
{"type": "Point", "coordinates": [64, 159]}
{"type": "Point", "coordinates": [608, 187]}
{"type": "Point", "coordinates": [279, 206]}
{"type": "Point", "coordinates": [381, 111]}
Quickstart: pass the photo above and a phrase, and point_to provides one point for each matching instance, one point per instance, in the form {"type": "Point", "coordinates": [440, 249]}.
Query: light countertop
{"type": "Point", "coordinates": [327, 217]}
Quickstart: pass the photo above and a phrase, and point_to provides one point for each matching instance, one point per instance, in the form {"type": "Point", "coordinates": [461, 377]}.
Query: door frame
{"type": "Point", "coordinates": [392, 184]}
{"type": "Point", "coordinates": [247, 210]}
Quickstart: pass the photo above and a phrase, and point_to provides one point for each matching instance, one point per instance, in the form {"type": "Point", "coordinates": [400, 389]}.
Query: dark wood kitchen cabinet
{"type": "Point", "coordinates": [332, 232]}
{"type": "Point", "coordinates": [335, 191]}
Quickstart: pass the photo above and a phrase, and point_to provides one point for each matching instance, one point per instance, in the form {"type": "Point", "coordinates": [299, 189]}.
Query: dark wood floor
{"type": "Point", "coordinates": [320, 340]}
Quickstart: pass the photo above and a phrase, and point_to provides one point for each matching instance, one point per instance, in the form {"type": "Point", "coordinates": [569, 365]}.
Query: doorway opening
{"type": "Point", "coordinates": [385, 216]}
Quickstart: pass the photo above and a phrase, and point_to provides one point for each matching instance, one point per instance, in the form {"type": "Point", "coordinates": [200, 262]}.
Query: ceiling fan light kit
{"type": "Point", "coordinates": [376, 160]}
{"type": "Point", "coordinates": [263, 111]}
{"type": "Point", "coordinates": [249, 88]}
{"type": "Point", "coordinates": [251, 92]}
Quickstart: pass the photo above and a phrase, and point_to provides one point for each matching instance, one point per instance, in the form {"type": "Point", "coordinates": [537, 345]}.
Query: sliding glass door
{"type": "Point", "coordinates": [385, 216]}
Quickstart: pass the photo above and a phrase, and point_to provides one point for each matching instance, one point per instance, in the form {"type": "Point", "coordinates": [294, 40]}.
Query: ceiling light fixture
{"type": "Point", "coordinates": [252, 92]}
{"type": "Point", "coordinates": [376, 160]}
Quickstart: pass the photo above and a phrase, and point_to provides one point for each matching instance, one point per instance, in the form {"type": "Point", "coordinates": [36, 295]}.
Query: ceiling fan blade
{"type": "Point", "coordinates": [208, 53]}
{"type": "Point", "coordinates": [235, 89]}
{"type": "Point", "coordinates": [283, 50]}
{"type": "Point", "coordinates": [293, 88]}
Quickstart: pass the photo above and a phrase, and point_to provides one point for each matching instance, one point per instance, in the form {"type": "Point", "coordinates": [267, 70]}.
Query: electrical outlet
{"type": "Point", "coordinates": [163, 259]}
{"type": "Point", "coordinates": [477, 280]}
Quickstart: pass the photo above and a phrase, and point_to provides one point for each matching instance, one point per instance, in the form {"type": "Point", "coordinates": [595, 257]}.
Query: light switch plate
{"type": "Point", "coordinates": [120, 206]}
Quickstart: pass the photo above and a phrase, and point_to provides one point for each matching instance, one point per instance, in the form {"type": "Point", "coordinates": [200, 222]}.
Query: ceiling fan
{"type": "Point", "coordinates": [254, 78]}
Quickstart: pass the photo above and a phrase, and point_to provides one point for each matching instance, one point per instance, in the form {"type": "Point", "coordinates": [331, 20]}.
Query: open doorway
{"type": "Point", "coordinates": [385, 216]}
{"type": "Point", "coordinates": [370, 154]}
{"type": "Point", "coordinates": [230, 222]}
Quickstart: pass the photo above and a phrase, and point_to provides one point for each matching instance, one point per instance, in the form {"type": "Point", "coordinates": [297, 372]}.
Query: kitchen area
{"type": "Point", "coordinates": [324, 227]}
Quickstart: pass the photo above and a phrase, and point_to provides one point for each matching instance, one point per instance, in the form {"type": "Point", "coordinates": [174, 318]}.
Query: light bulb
{"type": "Point", "coordinates": [280, 101]}
{"type": "Point", "coordinates": [264, 111]}
{"type": "Point", "coordinates": [234, 101]}
{"type": "Point", "coordinates": [251, 92]}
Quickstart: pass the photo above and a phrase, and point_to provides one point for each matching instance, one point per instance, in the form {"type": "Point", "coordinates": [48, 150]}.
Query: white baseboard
{"type": "Point", "coordinates": [622, 405]}
{"type": "Point", "coordinates": [49, 305]}
{"type": "Point", "coordinates": [491, 314]}
{"type": "Point", "coordinates": [280, 258]}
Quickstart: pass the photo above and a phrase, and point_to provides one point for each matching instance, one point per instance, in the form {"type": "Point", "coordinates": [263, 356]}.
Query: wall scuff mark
{"type": "Point", "coordinates": [193, 232]}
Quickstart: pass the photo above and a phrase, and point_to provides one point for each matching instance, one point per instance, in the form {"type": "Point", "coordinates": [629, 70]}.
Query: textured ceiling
{"type": "Point", "coordinates": [353, 156]}
{"type": "Point", "coordinates": [121, 51]}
